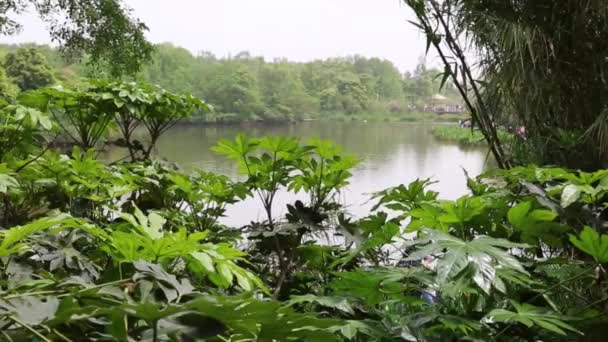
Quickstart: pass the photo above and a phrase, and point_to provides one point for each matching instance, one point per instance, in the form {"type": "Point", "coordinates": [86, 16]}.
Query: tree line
{"type": "Point", "coordinates": [243, 86]}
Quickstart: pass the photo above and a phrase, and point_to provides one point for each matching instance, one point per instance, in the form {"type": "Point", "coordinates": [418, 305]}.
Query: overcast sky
{"type": "Point", "coordinates": [299, 30]}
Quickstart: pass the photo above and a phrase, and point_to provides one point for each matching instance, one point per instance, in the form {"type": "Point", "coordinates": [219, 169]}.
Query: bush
{"type": "Point", "coordinates": [134, 250]}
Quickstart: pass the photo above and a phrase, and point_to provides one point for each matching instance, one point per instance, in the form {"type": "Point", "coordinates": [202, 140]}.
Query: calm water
{"type": "Point", "coordinates": [392, 153]}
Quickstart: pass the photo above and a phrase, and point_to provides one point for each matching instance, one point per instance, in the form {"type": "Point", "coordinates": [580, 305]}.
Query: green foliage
{"type": "Point", "coordinates": [536, 224]}
{"type": "Point", "coordinates": [137, 250]}
{"type": "Point", "coordinates": [84, 116]}
{"type": "Point", "coordinates": [11, 238]}
{"type": "Point", "coordinates": [235, 90]}
{"type": "Point", "coordinates": [466, 136]}
{"type": "Point", "coordinates": [404, 198]}
{"type": "Point", "coordinates": [105, 31]}
{"type": "Point", "coordinates": [206, 195]}
{"type": "Point", "coordinates": [322, 172]}
{"type": "Point", "coordinates": [530, 72]}
{"type": "Point", "coordinates": [23, 129]}
{"type": "Point", "coordinates": [248, 88]}
{"type": "Point", "coordinates": [462, 136]}
{"type": "Point", "coordinates": [482, 256]}
{"type": "Point", "coordinates": [28, 69]}
{"type": "Point", "coordinates": [530, 315]}
{"type": "Point", "coordinates": [592, 243]}
{"type": "Point", "coordinates": [8, 90]}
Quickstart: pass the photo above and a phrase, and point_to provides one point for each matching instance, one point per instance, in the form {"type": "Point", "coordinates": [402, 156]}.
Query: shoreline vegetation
{"type": "Point", "coordinates": [413, 117]}
{"type": "Point", "coordinates": [245, 87]}
{"type": "Point", "coordinates": [134, 250]}
{"type": "Point", "coordinates": [465, 137]}
{"type": "Point", "coordinates": [155, 227]}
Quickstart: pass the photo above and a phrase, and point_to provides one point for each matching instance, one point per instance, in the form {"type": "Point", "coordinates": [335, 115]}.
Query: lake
{"type": "Point", "coordinates": [392, 153]}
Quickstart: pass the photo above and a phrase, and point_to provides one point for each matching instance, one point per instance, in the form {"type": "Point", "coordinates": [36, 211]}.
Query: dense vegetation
{"type": "Point", "coordinates": [539, 64]}
{"type": "Point", "coordinates": [247, 88]}
{"type": "Point", "coordinates": [461, 135]}
{"type": "Point", "coordinates": [104, 30]}
{"type": "Point", "coordinates": [135, 249]}
{"type": "Point", "coordinates": [468, 137]}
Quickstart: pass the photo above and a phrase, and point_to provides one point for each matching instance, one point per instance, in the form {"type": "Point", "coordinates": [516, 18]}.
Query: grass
{"type": "Point", "coordinates": [227, 118]}
{"type": "Point", "coordinates": [460, 135]}
{"type": "Point", "coordinates": [394, 117]}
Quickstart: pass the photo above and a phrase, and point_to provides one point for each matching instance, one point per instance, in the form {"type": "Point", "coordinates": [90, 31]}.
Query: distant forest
{"type": "Point", "coordinates": [246, 87]}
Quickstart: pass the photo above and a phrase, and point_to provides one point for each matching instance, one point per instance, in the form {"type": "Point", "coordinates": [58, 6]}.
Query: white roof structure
{"type": "Point", "coordinates": [438, 97]}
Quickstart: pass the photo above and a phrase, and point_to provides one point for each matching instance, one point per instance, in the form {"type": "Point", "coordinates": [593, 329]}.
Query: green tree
{"type": "Point", "coordinates": [103, 29]}
{"type": "Point", "coordinates": [171, 67]}
{"type": "Point", "coordinates": [7, 89]}
{"type": "Point", "coordinates": [283, 91]}
{"type": "Point", "coordinates": [29, 69]}
{"type": "Point", "coordinates": [234, 89]}
{"type": "Point", "coordinates": [385, 77]}
{"type": "Point", "coordinates": [336, 84]}
{"type": "Point", "coordinates": [542, 65]}
{"type": "Point", "coordinates": [252, 88]}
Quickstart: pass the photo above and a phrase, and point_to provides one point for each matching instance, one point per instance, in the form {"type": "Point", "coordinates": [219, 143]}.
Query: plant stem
{"type": "Point", "coordinates": [155, 331]}
{"type": "Point", "coordinates": [18, 295]}
{"type": "Point", "coordinates": [26, 326]}
{"type": "Point", "coordinates": [8, 338]}
{"type": "Point", "coordinates": [56, 332]}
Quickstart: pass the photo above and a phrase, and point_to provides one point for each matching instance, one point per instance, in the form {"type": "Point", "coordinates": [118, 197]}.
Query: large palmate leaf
{"type": "Point", "coordinates": [405, 198]}
{"type": "Point", "coordinates": [592, 243]}
{"type": "Point", "coordinates": [570, 194]}
{"type": "Point", "coordinates": [141, 238]}
{"type": "Point", "coordinates": [28, 309]}
{"type": "Point", "coordinates": [536, 224]}
{"type": "Point", "coordinates": [483, 256]}
{"type": "Point", "coordinates": [219, 263]}
{"type": "Point", "coordinates": [237, 150]}
{"type": "Point", "coordinates": [427, 216]}
{"type": "Point", "coordinates": [462, 210]}
{"type": "Point", "coordinates": [379, 285]}
{"type": "Point", "coordinates": [173, 288]}
{"type": "Point", "coordinates": [530, 315]}
{"type": "Point", "coordinates": [12, 238]}
{"type": "Point", "coordinates": [7, 181]}
{"type": "Point", "coordinates": [150, 225]}
{"type": "Point", "coordinates": [338, 303]}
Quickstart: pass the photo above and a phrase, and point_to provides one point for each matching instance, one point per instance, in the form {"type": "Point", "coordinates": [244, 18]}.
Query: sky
{"type": "Point", "coordinates": [299, 30]}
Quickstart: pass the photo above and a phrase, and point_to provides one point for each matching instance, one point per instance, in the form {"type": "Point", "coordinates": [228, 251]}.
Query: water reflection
{"type": "Point", "coordinates": [392, 153]}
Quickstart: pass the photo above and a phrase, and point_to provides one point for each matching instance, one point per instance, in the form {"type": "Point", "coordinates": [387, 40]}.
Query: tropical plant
{"type": "Point", "coordinates": [526, 73]}
{"type": "Point", "coordinates": [137, 250]}
{"type": "Point", "coordinates": [84, 116]}
{"type": "Point", "coordinates": [28, 69]}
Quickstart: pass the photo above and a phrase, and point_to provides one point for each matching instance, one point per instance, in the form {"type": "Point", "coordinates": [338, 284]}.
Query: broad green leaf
{"type": "Point", "coordinates": [225, 272]}
{"type": "Point", "coordinates": [570, 194]}
{"type": "Point", "coordinates": [537, 224]}
{"type": "Point", "coordinates": [352, 329]}
{"type": "Point", "coordinates": [7, 183]}
{"type": "Point", "coordinates": [518, 213]}
{"type": "Point", "coordinates": [30, 310]}
{"type": "Point", "coordinates": [205, 260]}
{"type": "Point", "coordinates": [483, 256]}
{"type": "Point", "coordinates": [592, 243]}
{"type": "Point", "coordinates": [11, 238]}
{"type": "Point", "coordinates": [338, 303]}
{"type": "Point", "coordinates": [173, 288]}
{"type": "Point", "coordinates": [530, 315]}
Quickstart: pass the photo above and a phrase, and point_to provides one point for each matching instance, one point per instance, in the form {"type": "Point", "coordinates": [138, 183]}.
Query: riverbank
{"type": "Point", "coordinates": [464, 136]}
{"type": "Point", "coordinates": [460, 135]}
{"type": "Point", "coordinates": [396, 117]}
{"type": "Point", "coordinates": [421, 117]}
